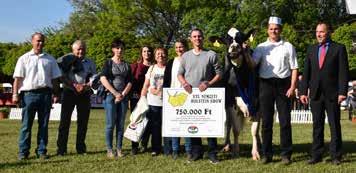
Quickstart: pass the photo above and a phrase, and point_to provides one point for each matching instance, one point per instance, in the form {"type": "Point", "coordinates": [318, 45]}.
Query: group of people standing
{"type": "Point", "coordinates": [37, 75]}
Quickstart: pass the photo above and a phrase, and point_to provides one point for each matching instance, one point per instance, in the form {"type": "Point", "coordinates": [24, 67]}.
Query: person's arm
{"type": "Point", "coordinates": [304, 91]}
{"type": "Point", "coordinates": [128, 80]}
{"type": "Point", "coordinates": [293, 83]}
{"type": "Point", "coordinates": [127, 89]}
{"type": "Point", "coordinates": [187, 86]}
{"type": "Point", "coordinates": [15, 89]}
{"type": "Point", "coordinates": [56, 89]}
{"type": "Point", "coordinates": [144, 90]}
{"type": "Point", "coordinates": [293, 64]}
{"type": "Point", "coordinates": [343, 74]}
{"type": "Point", "coordinates": [93, 74]}
{"type": "Point", "coordinates": [205, 84]}
{"type": "Point", "coordinates": [105, 82]}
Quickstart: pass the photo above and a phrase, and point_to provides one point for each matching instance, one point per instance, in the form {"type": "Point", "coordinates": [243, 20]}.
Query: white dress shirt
{"type": "Point", "coordinates": [276, 59]}
{"type": "Point", "coordinates": [37, 71]}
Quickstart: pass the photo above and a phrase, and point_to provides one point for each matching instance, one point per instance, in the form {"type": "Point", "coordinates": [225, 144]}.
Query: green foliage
{"type": "Point", "coordinates": [343, 34]}
{"type": "Point", "coordinates": [161, 22]}
{"type": "Point", "coordinates": [11, 58]}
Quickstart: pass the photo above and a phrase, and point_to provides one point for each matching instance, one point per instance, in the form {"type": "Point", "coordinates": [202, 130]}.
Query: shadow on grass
{"type": "Point", "coordinates": [301, 152]}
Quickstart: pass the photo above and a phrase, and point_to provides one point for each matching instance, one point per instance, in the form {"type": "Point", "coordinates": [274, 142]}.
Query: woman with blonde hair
{"type": "Point", "coordinates": [152, 89]}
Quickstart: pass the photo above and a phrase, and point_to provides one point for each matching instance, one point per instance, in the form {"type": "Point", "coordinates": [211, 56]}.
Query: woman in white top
{"type": "Point", "coordinates": [152, 88]}
{"type": "Point", "coordinates": [171, 81]}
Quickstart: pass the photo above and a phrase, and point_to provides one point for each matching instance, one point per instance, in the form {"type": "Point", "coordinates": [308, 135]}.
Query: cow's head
{"type": "Point", "coordinates": [234, 40]}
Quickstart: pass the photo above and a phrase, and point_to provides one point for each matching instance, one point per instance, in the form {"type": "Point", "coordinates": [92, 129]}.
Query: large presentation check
{"type": "Point", "coordinates": [200, 114]}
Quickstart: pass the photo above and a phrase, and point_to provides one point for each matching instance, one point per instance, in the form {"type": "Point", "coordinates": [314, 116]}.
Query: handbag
{"type": "Point", "coordinates": [137, 126]}
{"type": "Point", "coordinates": [135, 131]}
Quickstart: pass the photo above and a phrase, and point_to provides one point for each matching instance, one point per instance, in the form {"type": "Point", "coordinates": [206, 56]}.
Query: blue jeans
{"type": "Point", "coordinates": [40, 102]}
{"type": "Point", "coordinates": [187, 145]}
{"type": "Point", "coordinates": [167, 145]}
{"type": "Point", "coordinates": [115, 116]}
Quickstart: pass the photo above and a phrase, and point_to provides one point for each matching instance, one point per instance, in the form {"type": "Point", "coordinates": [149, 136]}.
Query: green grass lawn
{"type": "Point", "coordinates": [96, 161]}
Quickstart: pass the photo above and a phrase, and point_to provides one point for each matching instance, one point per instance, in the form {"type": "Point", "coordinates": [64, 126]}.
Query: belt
{"type": "Point", "coordinates": [40, 90]}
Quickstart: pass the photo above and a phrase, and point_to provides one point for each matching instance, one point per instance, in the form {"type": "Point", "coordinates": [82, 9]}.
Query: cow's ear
{"type": "Point", "coordinates": [250, 33]}
{"type": "Point", "coordinates": [216, 41]}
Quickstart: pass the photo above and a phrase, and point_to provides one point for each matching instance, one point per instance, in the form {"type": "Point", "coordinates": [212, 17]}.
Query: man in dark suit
{"type": "Point", "coordinates": [326, 75]}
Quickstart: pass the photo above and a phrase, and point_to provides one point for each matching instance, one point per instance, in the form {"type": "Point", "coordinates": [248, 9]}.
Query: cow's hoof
{"type": "Point", "coordinates": [255, 155]}
{"type": "Point", "coordinates": [226, 148]}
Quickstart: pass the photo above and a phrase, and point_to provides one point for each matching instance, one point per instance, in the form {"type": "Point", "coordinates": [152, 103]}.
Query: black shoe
{"type": "Point", "coordinates": [134, 151]}
{"type": "Point", "coordinates": [175, 155]}
{"type": "Point", "coordinates": [82, 152]}
{"type": "Point", "coordinates": [336, 161]}
{"type": "Point", "coordinates": [22, 157]}
{"type": "Point", "coordinates": [313, 161]}
{"type": "Point", "coordinates": [266, 160]}
{"type": "Point", "coordinates": [61, 153]}
{"type": "Point", "coordinates": [286, 161]}
{"type": "Point", "coordinates": [213, 159]}
{"type": "Point", "coordinates": [195, 157]}
{"type": "Point", "coordinates": [43, 156]}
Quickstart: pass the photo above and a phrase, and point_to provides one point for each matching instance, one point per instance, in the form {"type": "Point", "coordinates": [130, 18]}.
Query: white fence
{"type": "Point", "coordinates": [15, 113]}
{"type": "Point", "coordinates": [301, 117]}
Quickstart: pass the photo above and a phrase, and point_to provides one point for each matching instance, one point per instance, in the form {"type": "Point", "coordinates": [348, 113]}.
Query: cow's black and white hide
{"type": "Point", "coordinates": [239, 81]}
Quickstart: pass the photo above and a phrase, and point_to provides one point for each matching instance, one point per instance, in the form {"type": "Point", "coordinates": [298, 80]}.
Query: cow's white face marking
{"type": "Point", "coordinates": [233, 46]}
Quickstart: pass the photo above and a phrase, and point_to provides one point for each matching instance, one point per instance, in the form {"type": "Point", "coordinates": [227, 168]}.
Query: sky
{"type": "Point", "coordinates": [21, 18]}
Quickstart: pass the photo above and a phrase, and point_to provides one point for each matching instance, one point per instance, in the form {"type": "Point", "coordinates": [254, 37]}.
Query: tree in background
{"type": "Point", "coordinates": [343, 34]}
{"type": "Point", "coordinates": [161, 22]}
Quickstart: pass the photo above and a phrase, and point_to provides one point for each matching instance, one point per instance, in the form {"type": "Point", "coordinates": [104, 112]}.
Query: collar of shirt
{"type": "Point", "coordinates": [32, 52]}
{"type": "Point", "coordinates": [327, 43]}
{"type": "Point", "coordinates": [280, 42]}
{"type": "Point", "coordinates": [83, 59]}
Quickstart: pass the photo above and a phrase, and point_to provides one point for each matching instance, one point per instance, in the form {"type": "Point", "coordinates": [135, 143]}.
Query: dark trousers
{"type": "Point", "coordinates": [274, 90]}
{"type": "Point", "coordinates": [318, 107]}
{"type": "Point", "coordinates": [154, 128]}
{"type": "Point", "coordinates": [69, 101]}
{"type": "Point", "coordinates": [197, 146]}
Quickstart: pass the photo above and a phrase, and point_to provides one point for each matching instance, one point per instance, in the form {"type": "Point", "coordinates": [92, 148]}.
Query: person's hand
{"type": "Point", "coordinates": [15, 98]}
{"type": "Point", "coordinates": [304, 99]}
{"type": "Point", "coordinates": [118, 97]}
{"type": "Point", "coordinates": [55, 99]}
{"type": "Point", "coordinates": [290, 92]}
{"type": "Point", "coordinates": [203, 86]}
{"type": "Point", "coordinates": [155, 91]}
{"type": "Point", "coordinates": [79, 87]}
{"type": "Point", "coordinates": [341, 98]}
{"type": "Point", "coordinates": [188, 88]}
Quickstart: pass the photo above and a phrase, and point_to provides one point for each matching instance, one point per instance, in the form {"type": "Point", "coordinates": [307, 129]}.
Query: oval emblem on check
{"type": "Point", "coordinates": [193, 129]}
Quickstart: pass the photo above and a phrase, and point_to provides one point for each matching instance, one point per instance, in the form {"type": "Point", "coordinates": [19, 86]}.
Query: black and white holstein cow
{"type": "Point", "coordinates": [240, 88]}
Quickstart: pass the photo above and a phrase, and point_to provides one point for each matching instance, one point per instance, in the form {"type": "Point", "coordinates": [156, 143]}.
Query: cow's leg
{"type": "Point", "coordinates": [238, 122]}
{"type": "Point", "coordinates": [230, 111]}
{"type": "Point", "coordinates": [256, 140]}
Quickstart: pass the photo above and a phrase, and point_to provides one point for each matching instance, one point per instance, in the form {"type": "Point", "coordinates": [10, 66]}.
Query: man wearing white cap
{"type": "Point", "coordinates": [278, 75]}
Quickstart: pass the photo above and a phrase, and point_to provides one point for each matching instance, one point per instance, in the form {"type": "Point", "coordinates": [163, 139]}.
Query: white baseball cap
{"type": "Point", "coordinates": [275, 20]}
